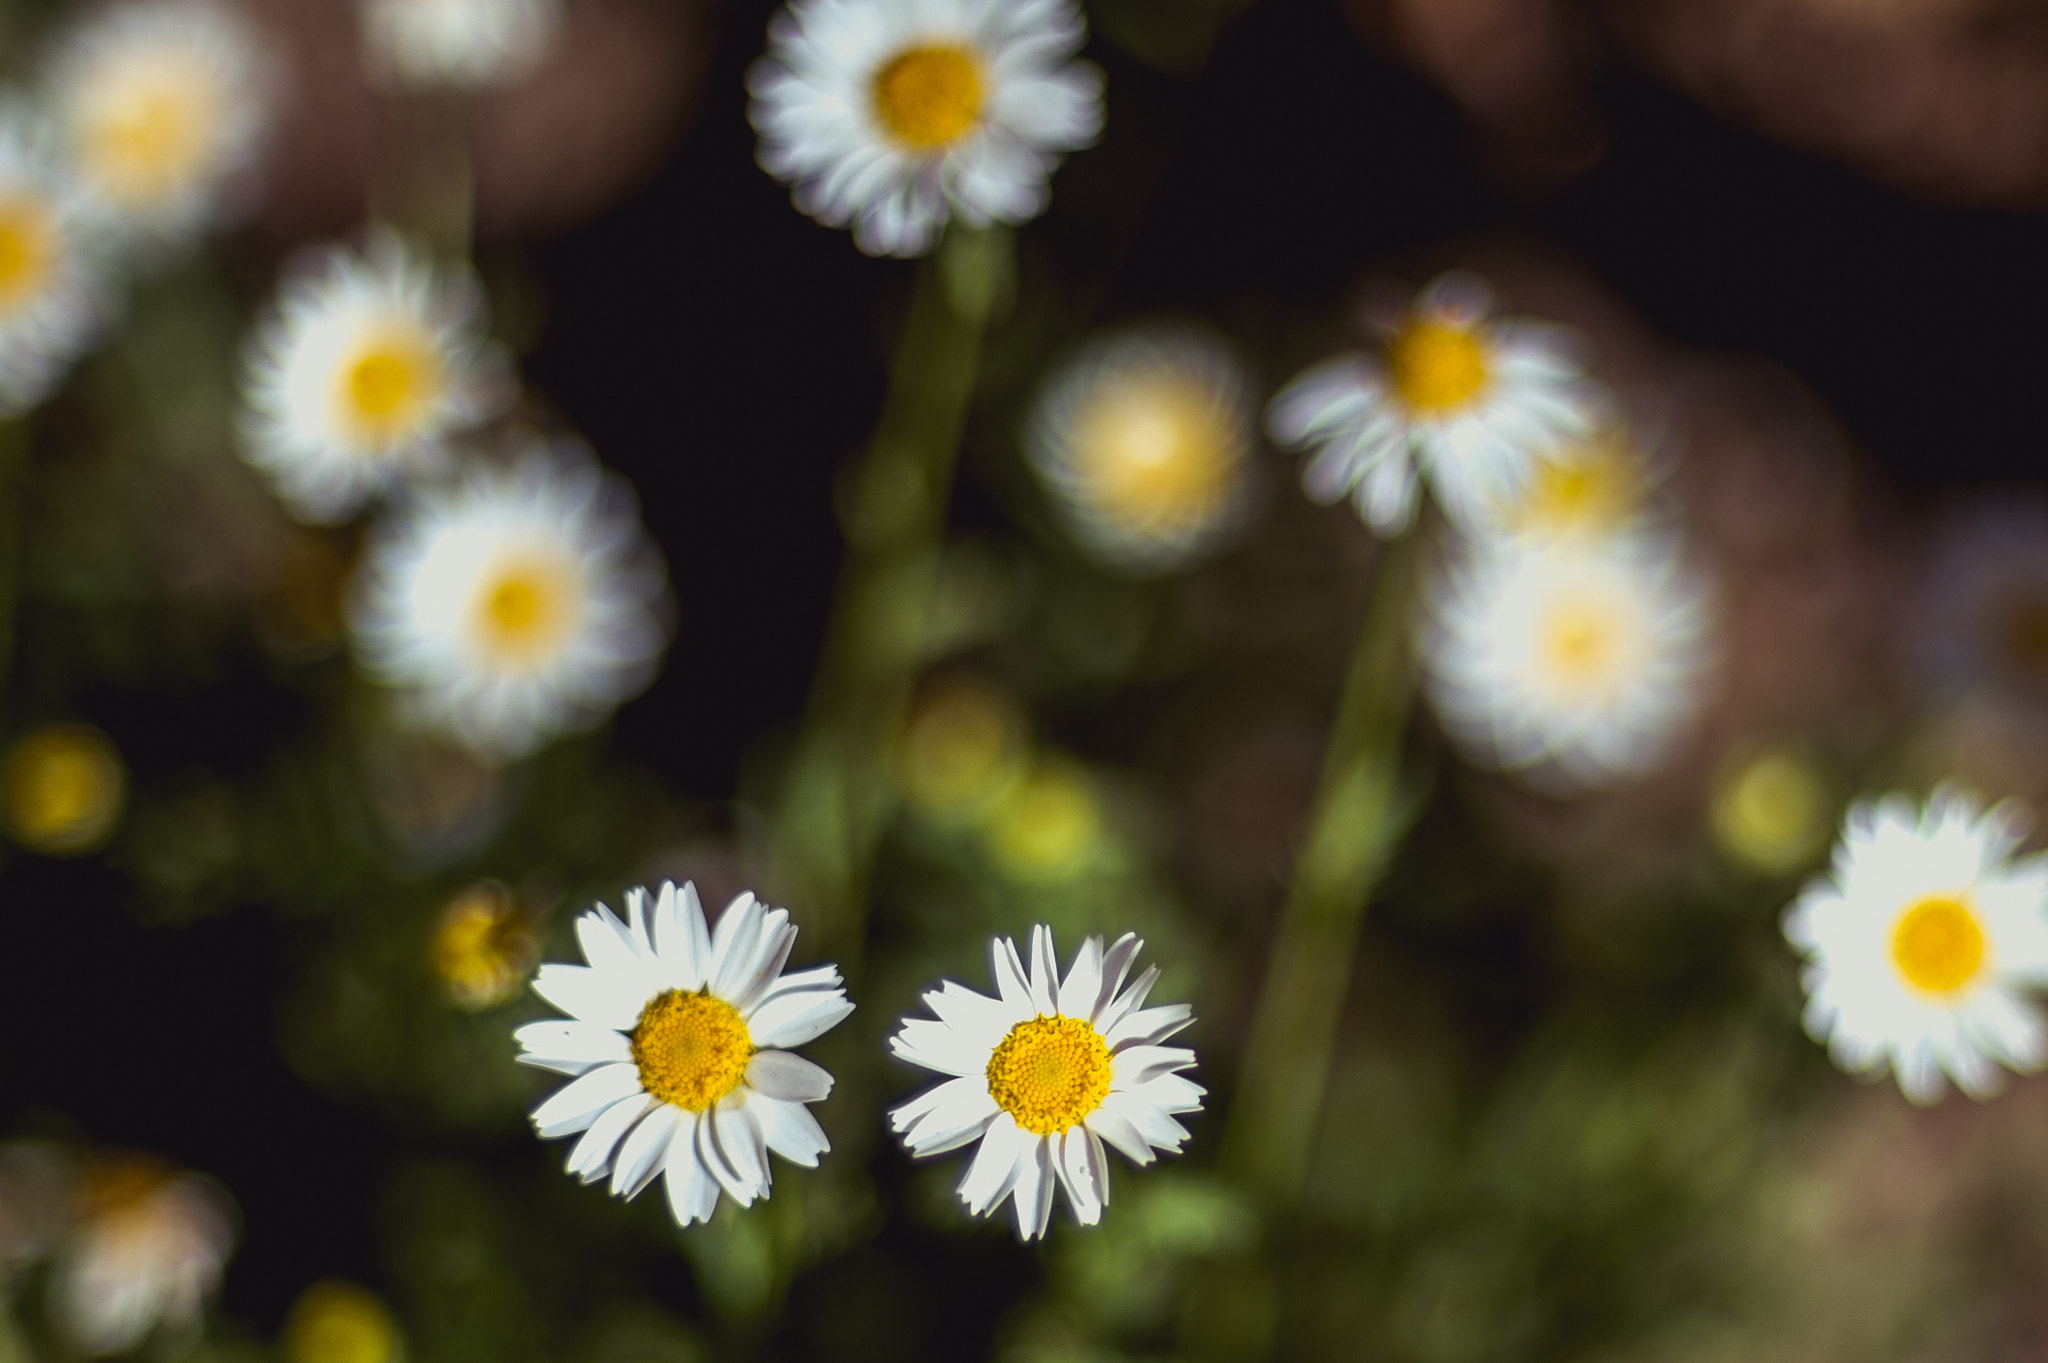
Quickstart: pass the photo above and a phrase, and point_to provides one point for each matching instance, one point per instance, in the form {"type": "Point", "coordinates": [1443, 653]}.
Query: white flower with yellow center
{"type": "Point", "coordinates": [144, 1256]}
{"type": "Point", "coordinates": [1045, 1074]}
{"type": "Point", "coordinates": [1460, 398]}
{"type": "Point", "coordinates": [522, 602]}
{"type": "Point", "coordinates": [54, 295]}
{"type": "Point", "coordinates": [1923, 943]}
{"type": "Point", "coordinates": [1144, 439]}
{"type": "Point", "coordinates": [458, 44]}
{"type": "Point", "coordinates": [363, 371]}
{"type": "Point", "coordinates": [1590, 487]}
{"type": "Point", "coordinates": [162, 105]}
{"type": "Point", "coordinates": [896, 116]}
{"type": "Point", "coordinates": [1575, 663]}
{"type": "Point", "coordinates": [678, 1040]}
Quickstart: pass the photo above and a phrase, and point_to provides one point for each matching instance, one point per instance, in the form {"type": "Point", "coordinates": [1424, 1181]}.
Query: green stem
{"type": "Point", "coordinates": [1352, 831]}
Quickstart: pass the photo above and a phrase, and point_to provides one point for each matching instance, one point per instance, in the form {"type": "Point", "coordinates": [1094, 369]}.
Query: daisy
{"type": "Point", "coordinates": [1575, 663]}
{"type": "Point", "coordinates": [522, 602]}
{"type": "Point", "coordinates": [162, 105]}
{"type": "Point", "coordinates": [676, 1038]}
{"type": "Point", "coordinates": [1922, 943]}
{"type": "Point", "coordinates": [460, 44]}
{"type": "Point", "coordinates": [365, 367]}
{"type": "Point", "coordinates": [1591, 486]}
{"type": "Point", "coordinates": [1471, 401]}
{"type": "Point", "coordinates": [143, 1258]}
{"type": "Point", "coordinates": [54, 295]}
{"type": "Point", "coordinates": [897, 116]}
{"type": "Point", "coordinates": [1144, 440]}
{"type": "Point", "coordinates": [483, 948]}
{"type": "Point", "coordinates": [1044, 1074]}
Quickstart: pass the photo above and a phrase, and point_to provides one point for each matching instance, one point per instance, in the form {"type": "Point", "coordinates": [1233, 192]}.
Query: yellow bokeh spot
{"type": "Point", "coordinates": [390, 384]}
{"type": "Point", "coordinates": [927, 97]}
{"type": "Point", "coordinates": [484, 947]}
{"type": "Point", "coordinates": [63, 786]}
{"type": "Point", "coordinates": [1938, 946]}
{"type": "Point", "coordinates": [1773, 812]}
{"type": "Point", "coordinates": [526, 609]}
{"type": "Point", "coordinates": [1437, 368]}
{"type": "Point", "coordinates": [338, 1322]}
{"type": "Point", "coordinates": [1050, 1073]}
{"type": "Point", "coordinates": [147, 134]}
{"type": "Point", "coordinates": [1587, 489]}
{"type": "Point", "coordinates": [692, 1049]}
{"type": "Point", "coordinates": [28, 250]}
{"type": "Point", "coordinates": [1155, 455]}
{"type": "Point", "coordinates": [1046, 825]}
{"type": "Point", "coordinates": [1581, 645]}
{"type": "Point", "coordinates": [964, 746]}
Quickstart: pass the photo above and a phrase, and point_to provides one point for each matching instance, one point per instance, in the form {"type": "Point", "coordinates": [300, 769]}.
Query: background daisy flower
{"type": "Point", "coordinates": [1922, 943]}
{"type": "Point", "coordinates": [144, 1256]}
{"type": "Point", "coordinates": [459, 44]}
{"type": "Point", "coordinates": [519, 603]}
{"type": "Point", "coordinates": [54, 294]}
{"type": "Point", "coordinates": [1044, 1074]}
{"type": "Point", "coordinates": [677, 1040]}
{"type": "Point", "coordinates": [1463, 399]}
{"type": "Point", "coordinates": [897, 116]}
{"type": "Point", "coordinates": [364, 369]}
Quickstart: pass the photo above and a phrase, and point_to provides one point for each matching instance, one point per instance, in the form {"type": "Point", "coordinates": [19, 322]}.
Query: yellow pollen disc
{"type": "Point", "coordinates": [1154, 455]}
{"type": "Point", "coordinates": [484, 947]}
{"type": "Point", "coordinates": [389, 385]}
{"type": "Point", "coordinates": [525, 610]}
{"type": "Point", "coordinates": [1049, 1073]}
{"type": "Point", "coordinates": [692, 1049]}
{"type": "Point", "coordinates": [1581, 645]}
{"type": "Point", "coordinates": [1437, 368]}
{"type": "Point", "coordinates": [63, 787]}
{"type": "Point", "coordinates": [927, 97]}
{"type": "Point", "coordinates": [146, 136]}
{"type": "Point", "coordinates": [28, 250]}
{"type": "Point", "coordinates": [1938, 946]}
{"type": "Point", "coordinates": [1593, 487]}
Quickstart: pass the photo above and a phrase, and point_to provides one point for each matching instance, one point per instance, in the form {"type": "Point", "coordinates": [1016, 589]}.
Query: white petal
{"type": "Point", "coordinates": [945, 1116]}
{"type": "Point", "coordinates": [745, 978]}
{"type": "Point", "coordinates": [692, 1192]}
{"type": "Point", "coordinates": [1045, 971]}
{"type": "Point", "coordinates": [1031, 1199]}
{"type": "Point", "coordinates": [581, 1043]}
{"type": "Point", "coordinates": [994, 1169]}
{"type": "Point", "coordinates": [591, 1159]}
{"type": "Point", "coordinates": [1136, 1066]}
{"type": "Point", "coordinates": [790, 1077]}
{"type": "Point", "coordinates": [790, 1130]}
{"type": "Point", "coordinates": [680, 937]}
{"type": "Point", "coordinates": [1081, 990]}
{"type": "Point", "coordinates": [719, 1160]}
{"type": "Point", "coordinates": [1011, 981]}
{"type": "Point", "coordinates": [577, 1104]}
{"type": "Point", "coordinates": [1150, 1026]}
{"type": "Point", "coordinates": [1120, 1133]}
{"type": "Point", "coordinates": [793, 1018]}
{"type": "Point", "coordinates": [591, 996]}
{"type": "Point", "coordinates": [1083, 1173]}
{"type": "Point", "coordinates": [644, 1152]}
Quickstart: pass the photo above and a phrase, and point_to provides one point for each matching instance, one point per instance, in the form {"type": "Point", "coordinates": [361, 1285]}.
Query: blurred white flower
{"type": "Point", "coordinates": [1471, 401]}
{"type": "Point", "coordinates": [1574, 663]}
{"type": "Point", "coordinates": [458, 44]}
{"type": "Point", "coordinates": [162, 105]}
{"type": "Point", "coordinates": [54, 295]}
{"type": "Point", "coordinates": [1044, 1074]}
{"type": "Point", "coordinates": [1144, 440]}
{"type": "Point", "coordinates": [364, 369]}
{"type": "Point", "coordinates": [896, 116]}
{"type": "Point", "coordinates": [517, 604]}
{"type": "Point", "coordinates": [1588, 488]}
{"type": "Point", "coordinates": [676, 1041]}
{"type": "Point", "coordinates": [1922, 943]}
{"type": "Point", "coordinates": [144, 1256]}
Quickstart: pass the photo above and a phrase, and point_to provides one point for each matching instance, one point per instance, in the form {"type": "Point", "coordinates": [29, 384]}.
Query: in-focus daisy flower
{"type": "Point", "coordinates": [54, 294]}
{"type": "Point", "coordinates": [897, 116]}
{"type": "Point", "coordinates": [520, 603]}
{"type": "Point", "coordinates": [1573, 663]}
{"type": "Point", "coordinates": [1144, 440]}
{"type": "Point", "coordinates": [143, 1258]}
{"type": "Point", "coordinates": [1470, 401]}
{"type": "Point", "coordinates": [162, 104]}
{"type": "Point", "coordinates": [484, 946]}
{"type": "Point", "coordinates": [363, 370]}
{"type": "Point", "coordinates": [458, 44]}
{"type": "Point", "coordinates": [678, 1038]}
{"type": "Point", "coordinates": [1922, 944]}
{"type": "Point", "coordinates": [61, 788]}
{"type": "Point", "coordinates": [1044, 1074]}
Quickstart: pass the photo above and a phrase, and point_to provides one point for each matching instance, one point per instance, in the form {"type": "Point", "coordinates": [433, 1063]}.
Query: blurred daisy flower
{"type": "Point", "coordinates": [338, 1322]}
{"type": "Point", "coordinates": [54, 293]}
{"type": "Point", "coordinates": [62, 787]}
{"type": "Point", "coordinates": [1922, 943]}
{"type": "Point", "coordinates": [143, 1257]}
{"type": "Point", "coordinates": [677, 1040]}
{"type": "Point", "coordinates": [1590, 486]}
{"type": "Point", "coordinates": [896, 116]}
{"type": "Point", "coordinates": [162, 105]}
{"type": "Point", "coordinates": [365, 367]}
{"type": "Point", "coordinates": [520, 603]}
{"type": "Point", "coordinates": [483, 947]}
{"type": "Point", "coordinates": [458, 44]}
{"type": "Point", "coordinates": [1466, 400]}
{"type": "Point", "coordinates": [1573, 663]}
{"type": "Point", "coordinates": [1144, 440]}
{"type": "Point", "coordinates": [1044, 1074]}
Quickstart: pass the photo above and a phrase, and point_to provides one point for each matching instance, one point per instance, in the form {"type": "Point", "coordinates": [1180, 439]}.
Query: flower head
{"type": "Point", "coordinates": [61, 789]}
{"type": "Point", "coordinates": [144, 1255]}
{"type": "Point", "coordinates": [677, 1038]}
{"type": "Point", "coordinates": [897, 116]}
{"type": "Point", "coordinates": [483, 947]}
{"type": "Point", "coordinates": [1044, 1074]}
{"type": "Point", "coordinates": [1922, 943]}
{"type": "Point", "coordinates": [458, 44]}
{"type": "Point", "coordinates": [54, 294]}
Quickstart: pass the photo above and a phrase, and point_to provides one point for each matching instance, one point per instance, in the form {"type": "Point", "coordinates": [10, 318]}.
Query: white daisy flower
{"type": "Point", "coordinates": [1469, 400]}
{"type": "Point", "coordinates": [896, 116]}
{"type": "Point", "coordinates": [1045, 1073]}
{"type": "Point", "coordinates": [162, 104]}
{"type": "Point", "coordinates": [1144, 439]}
{"type": "Point", "coordinates": [520, 603]}
{"type": "Point", "coordinates": [458, 44]}
{"type": "Point", "coordinates": [365, 368]}
{"type": "Point", "coordinates": [1922, 944]}
{"type": "Point", "coordinates": [678, 1041]}
{"type": "Point", "coordinates": [143, 1258]}
{"type": "Point", "coordinates": [1590, 487]}
{"type": "Point", "coordinates": [1575, 663]}
{"type": "Point", "coordinates": [54, 295]}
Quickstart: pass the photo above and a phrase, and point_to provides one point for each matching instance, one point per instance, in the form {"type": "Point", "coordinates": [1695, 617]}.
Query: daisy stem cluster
{"type": "Point", "coordinates": [1353, 828]}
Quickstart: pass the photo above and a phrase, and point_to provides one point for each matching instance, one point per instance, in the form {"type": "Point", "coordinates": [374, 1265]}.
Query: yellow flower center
{"type": "Point", "coordinates": [390, 384]}
{"type": "Point", "coordinates": [1437, 368]}
{"type": "Point", "coordinates": [63, 787]}
{"type": "Point", "coordinates": [1050, 1072]}
{"type": "Point", "coordinates": [1154, 455]}
{"type": "Point", "coordinates": [1938, 946]}
{"type": "Point", "coordinates": [927, 97]}
{"type": "Point", "coordinates": [483, 948]}
{"type": "Point", "coordinates": [338, 1322]}
{"type": "Point", "coordinates": [526, 609]}
{"type": "Point", "coordinates": [28, 250]}
{"type": "Point", "coordinates": [1591, 488]}
{"type": "Point", "coordinates": [692, 1049]}
{"type": "Point", "coordinates": [145, 136]}
{"type": "Point", "coordinates": [1581, 645]}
